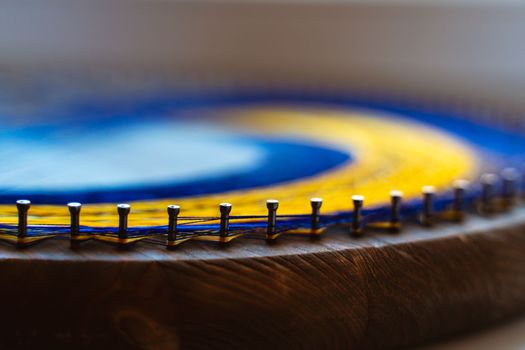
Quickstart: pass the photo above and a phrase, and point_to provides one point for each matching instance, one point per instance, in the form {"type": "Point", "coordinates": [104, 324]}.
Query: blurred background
{"type": "Point", "coordinates": [471, 51]}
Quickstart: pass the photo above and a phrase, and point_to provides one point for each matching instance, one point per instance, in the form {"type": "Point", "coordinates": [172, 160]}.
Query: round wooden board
{"type": "Point", "coordinates": [378, 291]}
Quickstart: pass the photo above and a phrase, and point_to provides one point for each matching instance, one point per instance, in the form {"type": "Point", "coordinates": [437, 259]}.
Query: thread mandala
{"type": "Point", "coordinates": [280, 163]}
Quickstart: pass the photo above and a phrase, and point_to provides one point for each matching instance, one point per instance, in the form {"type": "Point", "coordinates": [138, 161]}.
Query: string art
{"type": "Point", "coordinates": [217, 166]}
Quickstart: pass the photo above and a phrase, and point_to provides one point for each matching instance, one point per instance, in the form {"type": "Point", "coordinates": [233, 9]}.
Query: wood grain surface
{"type": "Point", "coordinates": [378, 291]}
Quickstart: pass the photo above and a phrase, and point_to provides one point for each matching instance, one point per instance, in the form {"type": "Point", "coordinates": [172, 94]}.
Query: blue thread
{"type": "Point", "coordinates": [509, 144]}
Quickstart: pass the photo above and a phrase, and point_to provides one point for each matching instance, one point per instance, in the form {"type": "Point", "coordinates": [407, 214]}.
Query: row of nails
{"type": "Point", "coordinates": [488, 182]}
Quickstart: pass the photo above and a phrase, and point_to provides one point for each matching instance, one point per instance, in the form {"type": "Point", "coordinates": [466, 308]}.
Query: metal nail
{"type": "Point", "coordinates": [123, 212]}
{"type": "Point", "coordinates": [173, 213]}
{"type": "Point", "coordinates": [356, 214]}
{"type": "Point", "coordinates": [23, 206]}
{"type": "Point", "coordinates": [74, 213]}
{"type": "Point", "coordinates": [509, 190]}
{"type": "Point", "coordinates": [225, 209]}
{"type": "Point", "coordinates": [488, 182]}
{"type": "Point", "coordinates": [427, 215]}
{"type": "Point", "coordinates": [272, 205]}
{"type": "Point", "coordinates": [459, 187]}
{"type": "Point", "coordinates": [395, 207]}
{"type": "Point", "coordinates": [316, 204]}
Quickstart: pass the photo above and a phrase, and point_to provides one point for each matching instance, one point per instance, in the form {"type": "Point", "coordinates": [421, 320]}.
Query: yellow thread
{"type": "Point", "coordinates": [177, 242]}
{"type": "Point", "coordinates": [384, 225]}
{"type": "Point", "coordinates": [80, 237]}
{"type": "Point", "coordinates": [216, 238]}
{"type": "Point", "coordinates": [273, 236]}
{"type": "Point", "coordinates": [388, 153]}
{"type": "Point", "coordinates": [112, 239]}
{"type": "Point", "coordinates": [23, 240]}
{"type": "Point", "coordinates": [306, 231]}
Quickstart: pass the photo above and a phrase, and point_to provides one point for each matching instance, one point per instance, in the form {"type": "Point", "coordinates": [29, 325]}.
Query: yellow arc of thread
{"type": "Point", "coordinates": [388, 153]}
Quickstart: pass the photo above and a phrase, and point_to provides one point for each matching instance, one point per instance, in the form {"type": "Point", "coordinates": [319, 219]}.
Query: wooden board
{"type": "Point", "coordinates": [379, 291]}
